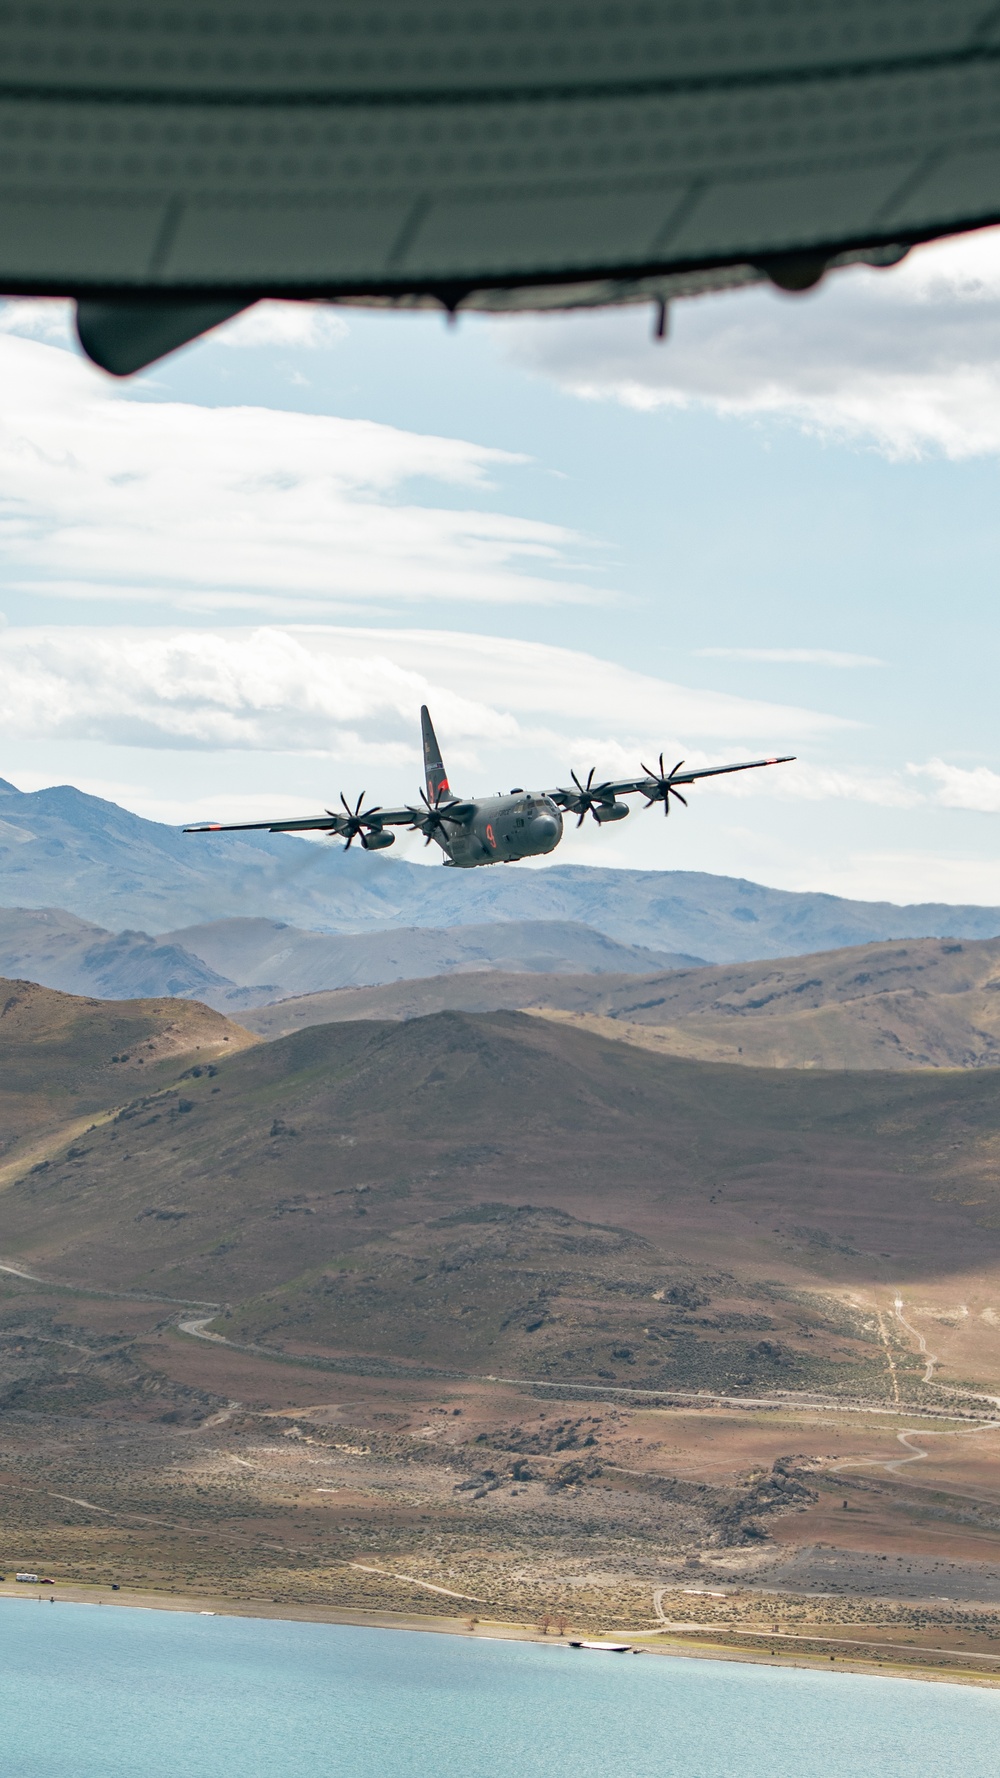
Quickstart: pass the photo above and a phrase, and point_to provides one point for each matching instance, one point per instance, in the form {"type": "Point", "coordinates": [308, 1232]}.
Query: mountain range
{"type": "Point", "coordinates": [919, 1003]}
{"type": "Point", "coordinates": [60, 848]}
{"type": "Point", "coordinates": [230, 964]}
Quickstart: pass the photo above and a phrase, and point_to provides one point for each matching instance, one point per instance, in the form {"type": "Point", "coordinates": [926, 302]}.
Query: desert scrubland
{"type": "Point", "coordinates": [484, 1316]}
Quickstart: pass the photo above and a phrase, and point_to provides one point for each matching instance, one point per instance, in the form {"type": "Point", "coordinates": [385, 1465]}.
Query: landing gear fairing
{"type": "Point", "coordinates": [493, 829]}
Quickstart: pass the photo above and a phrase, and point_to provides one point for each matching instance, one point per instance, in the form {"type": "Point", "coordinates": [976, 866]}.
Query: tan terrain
{"type": "Point", "coordinates": [920, 1003]}
{"type": "Point", "coordinates": [490, 1314]}
{"type": "Point", "coordinates": [64, 1059]}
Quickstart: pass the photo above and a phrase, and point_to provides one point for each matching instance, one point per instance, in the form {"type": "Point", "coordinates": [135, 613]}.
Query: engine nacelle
{"type": "Point", "coordinates": [377, 841]}
{"type": "Point", "coordinates": [611, 812]}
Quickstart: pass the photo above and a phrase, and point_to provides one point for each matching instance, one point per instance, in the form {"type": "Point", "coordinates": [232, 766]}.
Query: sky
{"type": "Point", "coordinates": [228, 584]}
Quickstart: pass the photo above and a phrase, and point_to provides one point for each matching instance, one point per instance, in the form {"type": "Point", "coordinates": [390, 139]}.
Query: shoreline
{"type": "Point", "coordinates": [648, 1641]}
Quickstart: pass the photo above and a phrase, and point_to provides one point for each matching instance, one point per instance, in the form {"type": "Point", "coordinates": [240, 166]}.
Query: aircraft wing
{"type": "Point", "coordinates": [331, 822]}
{"type": "Point", "coordinates": [657, 786]}
{"type": "Point", "coordinates": [627, 786]}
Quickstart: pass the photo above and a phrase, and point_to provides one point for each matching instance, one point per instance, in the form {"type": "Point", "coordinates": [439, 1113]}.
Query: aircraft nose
{"type": "Point", "coordinates": [544, 827]}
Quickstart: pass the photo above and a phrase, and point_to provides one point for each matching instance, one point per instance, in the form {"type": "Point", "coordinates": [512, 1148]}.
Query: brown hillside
{"type": "Point", "coordinates": [925, 1003]}
{"type": "Point", "coordinates": [521, 1322]}
{"type": "Point", "coordinates": [63, 1057]}
{"type": "Point", "coordinates": [461, 991]}
{"type": "Point", "coordinates": [506, 1195]}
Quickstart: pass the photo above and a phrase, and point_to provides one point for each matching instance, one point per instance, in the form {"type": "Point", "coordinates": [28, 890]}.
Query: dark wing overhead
{"type": "Point", "coordinates": [169, 165]}
{"type": "Point", "coordinates": [587, 797]}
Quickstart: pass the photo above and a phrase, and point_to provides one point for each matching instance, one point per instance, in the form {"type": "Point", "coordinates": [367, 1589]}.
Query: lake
{"type": "Point", "coordinates": [92, 1691]}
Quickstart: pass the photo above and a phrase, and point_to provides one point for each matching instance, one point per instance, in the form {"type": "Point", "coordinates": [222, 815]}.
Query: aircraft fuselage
{"type": "Point", "coordinates": [501, 829]}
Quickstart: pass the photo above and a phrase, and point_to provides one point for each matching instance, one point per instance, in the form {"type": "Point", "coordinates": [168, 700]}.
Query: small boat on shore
{"type": "Point", "coordinates": [605, 1648]}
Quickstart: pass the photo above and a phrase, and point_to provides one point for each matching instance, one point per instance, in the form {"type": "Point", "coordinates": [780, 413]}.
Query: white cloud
{"type": "Point", "coordinates": [907, 359]}
{"type": "Point", "coordinates": [39, 318]}
{"type": "Point", "coordinates": [355, 694]}
{"type": "Point", "coordinates": [793, 657]}
{"type": "Point", "coordinates": [803, 781]}
{"type": "Point", "coordinates": [104, 492]}
{"type": "Point", "coordinates": [298, 325]}
{"type": "Point", "coordinates": [960, 787]}
{"type": "Point", "coordinates": [307, 326]}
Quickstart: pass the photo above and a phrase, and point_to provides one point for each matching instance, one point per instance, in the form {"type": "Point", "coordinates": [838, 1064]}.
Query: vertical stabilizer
{"type": "Point", "coordinates": [434, 773]}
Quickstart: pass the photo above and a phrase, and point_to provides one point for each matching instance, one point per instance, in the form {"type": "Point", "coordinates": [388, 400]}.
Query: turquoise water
{"type": "Point", "coordinates": [101, 1692]}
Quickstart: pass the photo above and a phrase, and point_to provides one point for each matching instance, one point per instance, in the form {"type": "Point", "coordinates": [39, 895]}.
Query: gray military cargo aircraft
{"type": "Point", "coordinates": [492, 829]}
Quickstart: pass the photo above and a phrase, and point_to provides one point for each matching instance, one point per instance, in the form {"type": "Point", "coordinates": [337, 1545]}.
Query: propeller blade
{"type": "Point", "coordinates": [661, 785]}
{"type": "Point", "coordinates": [588, 794]}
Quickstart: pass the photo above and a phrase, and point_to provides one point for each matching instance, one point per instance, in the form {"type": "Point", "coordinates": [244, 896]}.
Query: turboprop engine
{"type": "Point", "coordinates": [611, 812]}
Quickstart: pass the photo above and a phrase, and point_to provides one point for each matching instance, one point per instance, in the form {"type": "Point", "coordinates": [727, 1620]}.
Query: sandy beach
{"type": "Point", "coordinates": [941, 1665]}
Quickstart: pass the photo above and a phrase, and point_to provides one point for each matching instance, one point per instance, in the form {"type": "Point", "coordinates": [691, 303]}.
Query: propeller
{"type": "Point", "coordinates": [590, 797]}
{"type": "Point", "coordinates": [354, 822]}
{"type": "Point", "coordinates": [433, 817]}
{"type": "Point", "coordinates": [661, 786]}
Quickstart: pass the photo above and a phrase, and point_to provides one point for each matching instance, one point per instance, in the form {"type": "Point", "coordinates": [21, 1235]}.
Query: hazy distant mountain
{"type": "Point", "coordinates": [61, 848]}
{"type": "Point", "coordinates": [235, 963]}
{"type": "Point", "coordinates": [59, 950]}
{"type": "Point", "coordinates": [248, 952]}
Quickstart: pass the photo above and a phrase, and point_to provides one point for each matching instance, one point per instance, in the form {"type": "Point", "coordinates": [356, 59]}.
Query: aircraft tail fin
{"type": "Point", "coordinates": [435, 775]}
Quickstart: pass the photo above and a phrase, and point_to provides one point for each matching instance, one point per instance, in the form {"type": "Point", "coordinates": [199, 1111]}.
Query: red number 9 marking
{"type": "Point", "coordinates": [490, 835]}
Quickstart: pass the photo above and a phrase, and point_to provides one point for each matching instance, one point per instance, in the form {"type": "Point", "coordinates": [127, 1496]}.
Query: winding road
{"type": "Point", "coordinates": [918, 1453]}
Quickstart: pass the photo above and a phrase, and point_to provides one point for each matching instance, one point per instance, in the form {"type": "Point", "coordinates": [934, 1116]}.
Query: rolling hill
{"type": "Point", "coordinates": [60, 848]}
{"type": "Point", "coordinates": [463, 991]}
{"type": "Point", "coordinates": [499, 1297]}
{"type": "Point", "coordinates": [925, 1004]}
{"type": "Point", "coordinates": [508, 1196]}
{"type": "Point", "coordinates": [930, 1003]}
{"type": "Point", "coordinates": [64, 1059]}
